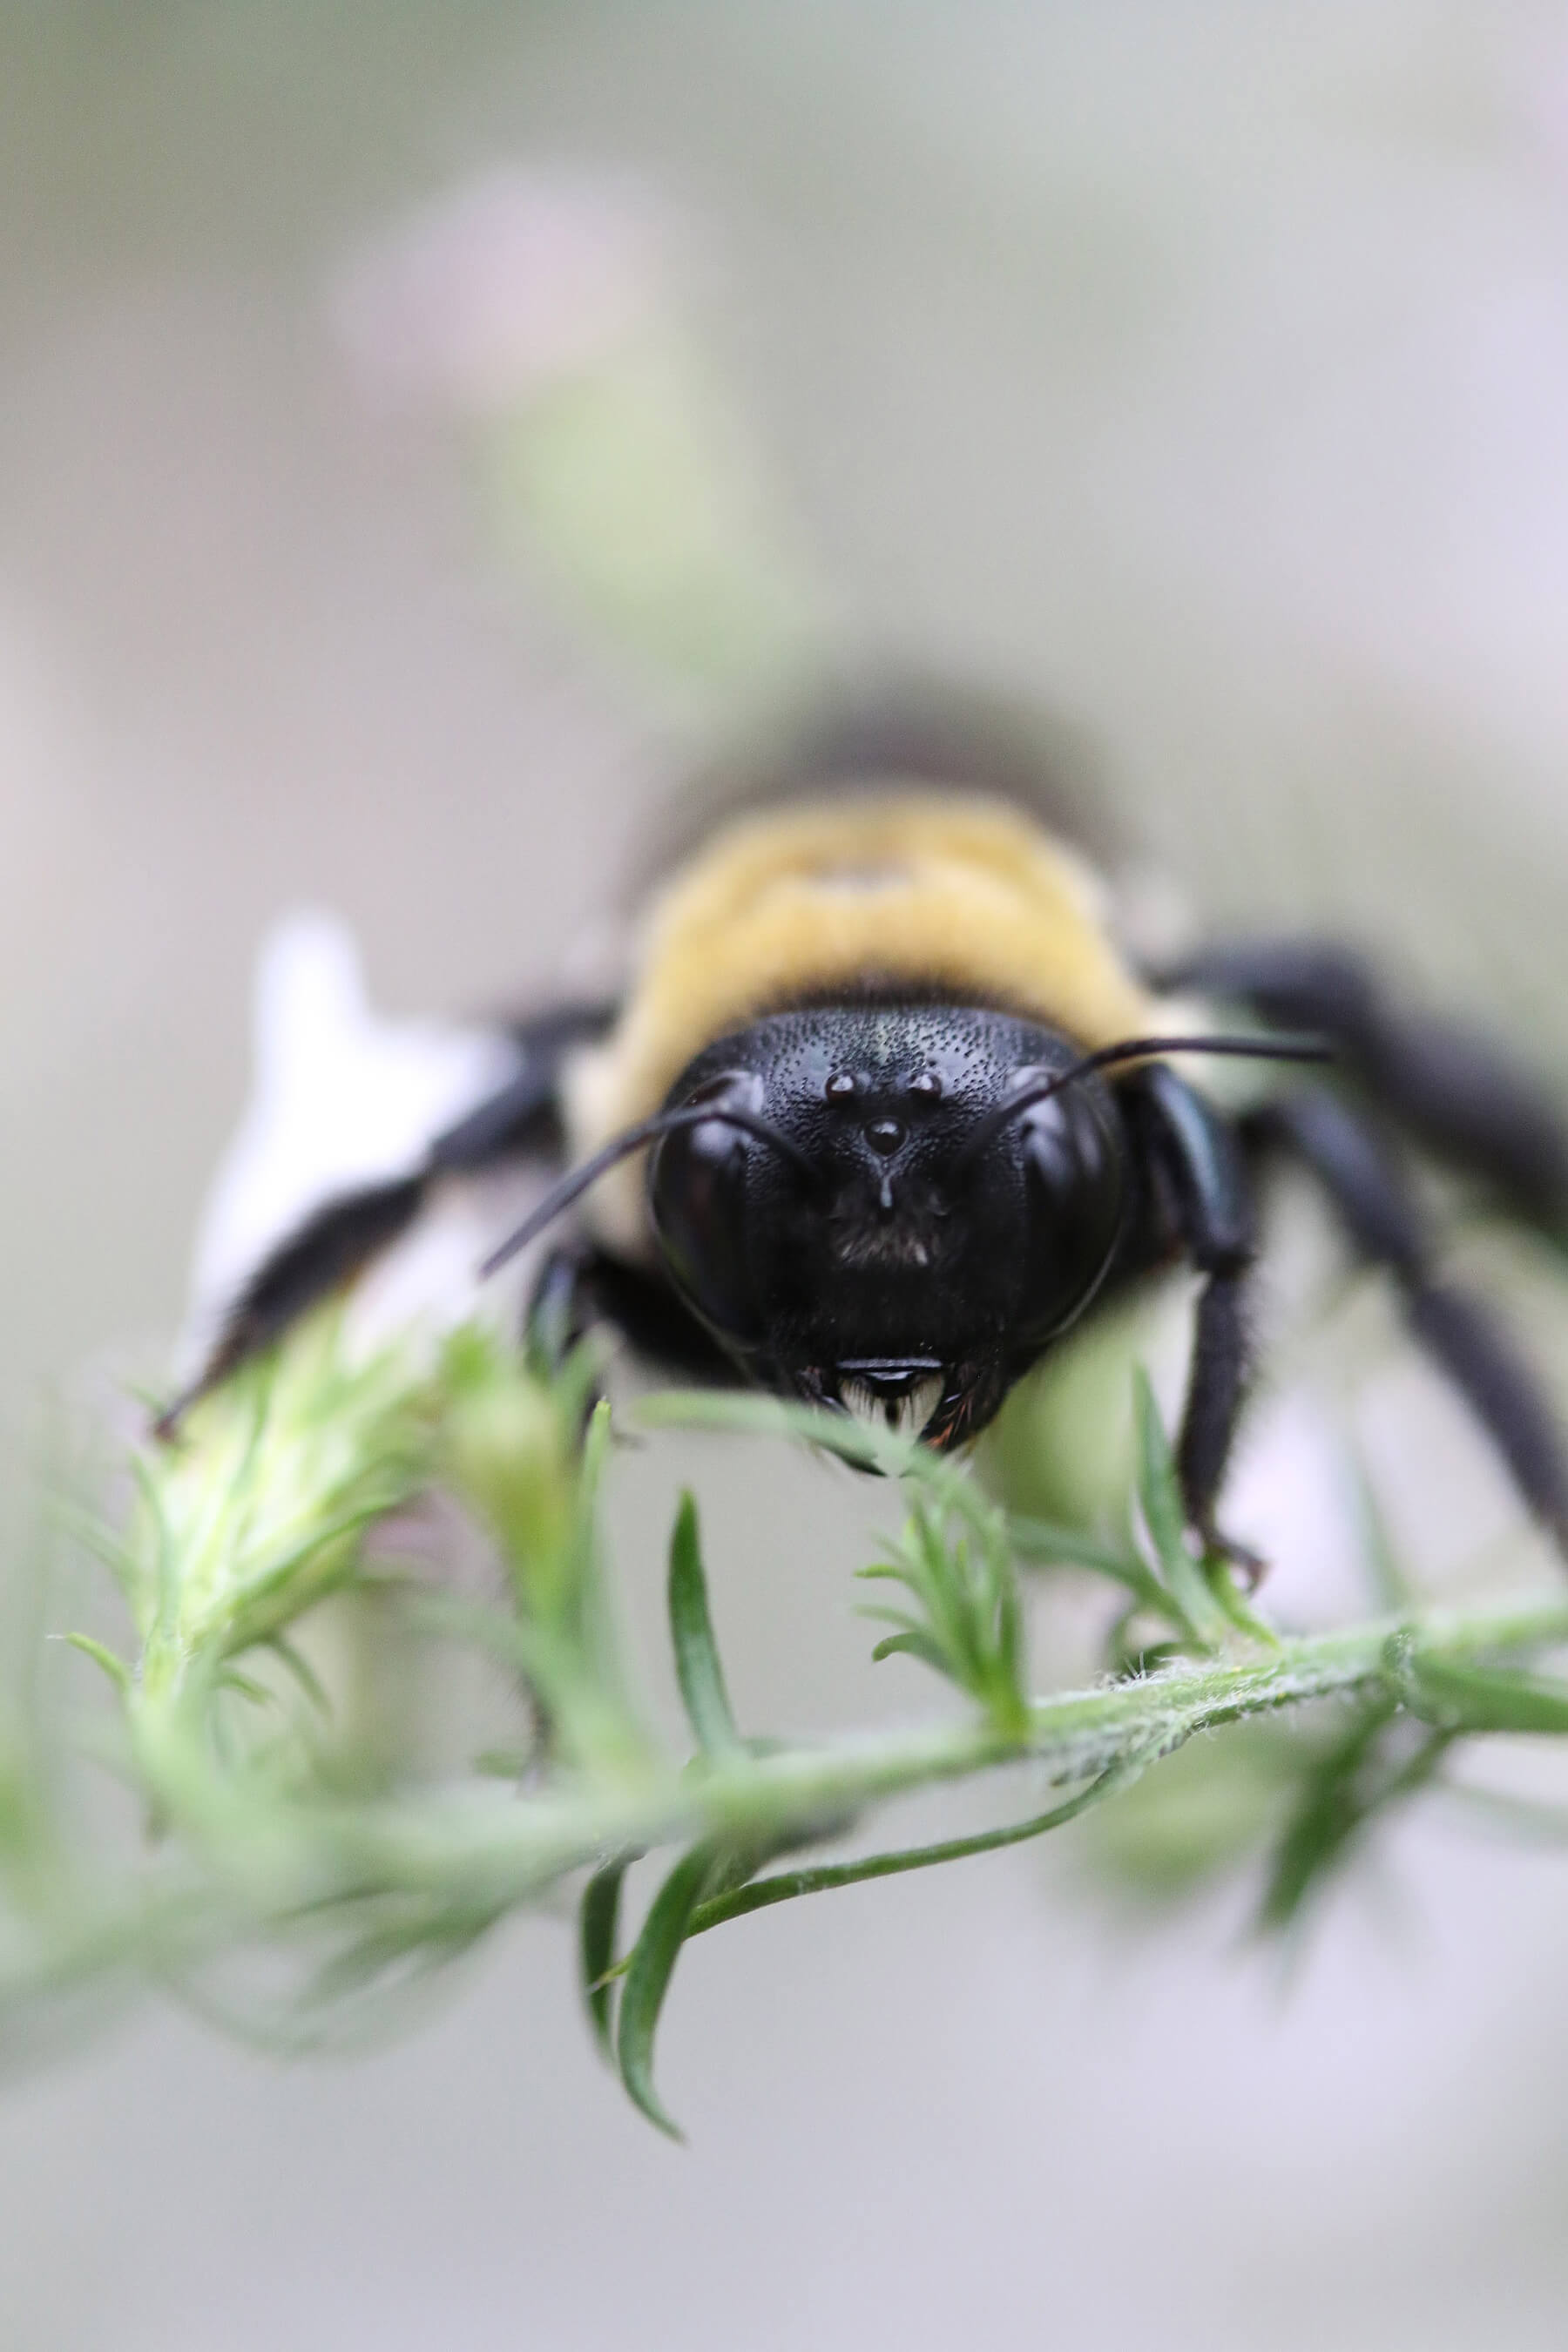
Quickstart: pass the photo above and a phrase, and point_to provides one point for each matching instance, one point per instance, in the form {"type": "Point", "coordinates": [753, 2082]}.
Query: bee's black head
{"type": "Point", "coordinates": [911, 1250]}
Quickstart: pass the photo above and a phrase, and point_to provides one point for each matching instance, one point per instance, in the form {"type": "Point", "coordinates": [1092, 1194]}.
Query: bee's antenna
{"type": "Point", "coordinates": [577, 1180]}
{"type": "Point", "coordinates": [1140, 1049]}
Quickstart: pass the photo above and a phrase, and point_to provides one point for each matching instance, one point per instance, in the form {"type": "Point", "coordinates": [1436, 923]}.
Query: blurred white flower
{"type": "Point", "coordinates": [340, 1097]}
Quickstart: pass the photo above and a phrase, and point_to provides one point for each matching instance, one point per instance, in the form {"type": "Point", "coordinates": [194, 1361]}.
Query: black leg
{"type": "Point", "coordinates": [1370, 1192]}
{"type": "Point", "coordinates": [558, 1314]}
{"type": "Point", "coordinates": [523, 1117]}
{"type": "Point", "coordinates": [338, 1240]}
{"type": "Point", "coordinates": [1205, 1169]}
{"type": "Point", "coordinates": [329, 1249]}
{"type": "Point", "coordinates": [1460, 1093]}
{"type": "Point", "coordinates": [578, 1286]}
{"type": "Point", "coordinates": [1216, 1391]}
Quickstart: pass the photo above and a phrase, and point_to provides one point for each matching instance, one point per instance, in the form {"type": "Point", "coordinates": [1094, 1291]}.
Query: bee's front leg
{"type": "Point", "coordinates": [1198, 1154]}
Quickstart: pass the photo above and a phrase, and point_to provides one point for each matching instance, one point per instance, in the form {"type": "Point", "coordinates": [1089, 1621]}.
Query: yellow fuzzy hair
{"type": "Point", "coordinates": [965, 897]}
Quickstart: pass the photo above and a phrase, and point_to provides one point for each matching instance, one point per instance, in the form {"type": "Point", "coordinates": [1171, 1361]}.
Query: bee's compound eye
{"type": "Point", "coordinates": [1075, 1193]}
{"type": "Point", "coordinates": [697, 1197]}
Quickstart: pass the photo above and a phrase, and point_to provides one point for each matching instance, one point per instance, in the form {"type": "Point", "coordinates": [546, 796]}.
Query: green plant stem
{"type": "Point", "coordinates": [482, 1854]}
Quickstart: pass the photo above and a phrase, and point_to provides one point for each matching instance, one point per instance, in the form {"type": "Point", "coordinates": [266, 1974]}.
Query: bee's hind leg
{"type": "Point", "coordinates": [1457, 1091]}
{"type": "Point", "coordinates": [1380, 1214]}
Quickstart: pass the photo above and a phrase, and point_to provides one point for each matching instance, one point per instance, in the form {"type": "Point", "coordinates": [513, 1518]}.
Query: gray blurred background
{"type": "Point", "coordinates": [1200, 369]}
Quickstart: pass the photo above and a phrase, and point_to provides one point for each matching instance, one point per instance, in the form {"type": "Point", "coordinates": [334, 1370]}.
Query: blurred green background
{"type": "Point", "coordinates": [1199, 370]}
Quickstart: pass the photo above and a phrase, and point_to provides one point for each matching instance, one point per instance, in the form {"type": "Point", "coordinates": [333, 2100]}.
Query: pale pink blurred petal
{"type": "Point", "coordinates": [521, 275]}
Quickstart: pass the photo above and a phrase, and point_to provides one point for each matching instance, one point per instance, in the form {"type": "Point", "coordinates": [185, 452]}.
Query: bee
{"type": "Point", "coordinates": [886, 1106]}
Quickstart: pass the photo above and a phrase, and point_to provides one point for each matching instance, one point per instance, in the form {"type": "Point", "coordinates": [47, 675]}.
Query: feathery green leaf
{"type": "Point", "coordinates": [653, 1959]}
{"type": "Point", "coordinates": [697, 1666]}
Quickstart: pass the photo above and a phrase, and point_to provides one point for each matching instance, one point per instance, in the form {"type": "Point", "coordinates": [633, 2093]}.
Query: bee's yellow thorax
{"type": "Point", "coordinates": [961, 898]}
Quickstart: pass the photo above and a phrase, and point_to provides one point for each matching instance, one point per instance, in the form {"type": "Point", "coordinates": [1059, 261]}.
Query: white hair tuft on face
{"type": "Point", "coordinates": [905, 1416]}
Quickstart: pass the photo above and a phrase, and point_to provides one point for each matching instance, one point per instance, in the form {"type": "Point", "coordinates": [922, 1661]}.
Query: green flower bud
{"type": "Point", "coordinates": [511, 1454]}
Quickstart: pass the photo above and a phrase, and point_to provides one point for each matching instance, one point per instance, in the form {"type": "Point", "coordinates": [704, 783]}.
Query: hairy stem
{"type": "Point", "coordinates": [485, 1854]}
